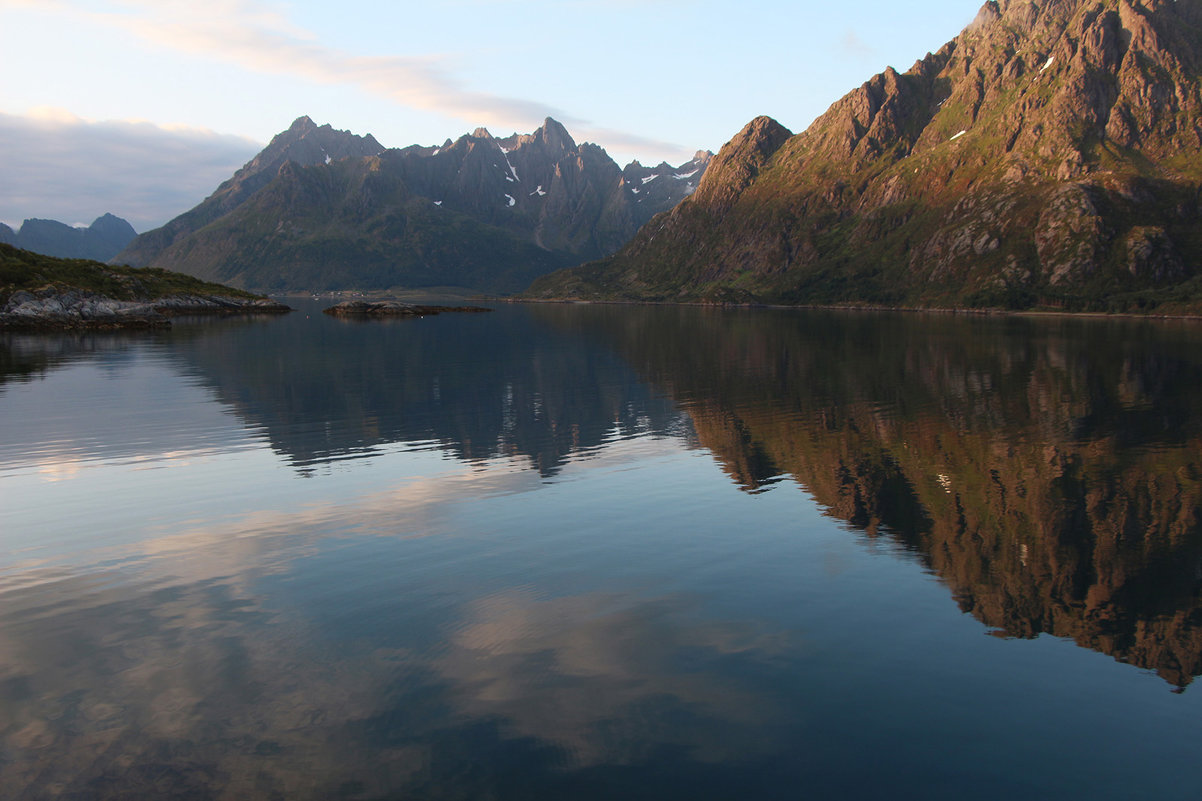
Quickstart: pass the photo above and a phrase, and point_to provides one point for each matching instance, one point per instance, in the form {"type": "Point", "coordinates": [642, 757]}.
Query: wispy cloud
{"type": "Point", "coordinates": [854, 46]}
{"type": "Point", "coordinates": [256, 37]}
{"type": "Point", "coordinates": [58, 166]}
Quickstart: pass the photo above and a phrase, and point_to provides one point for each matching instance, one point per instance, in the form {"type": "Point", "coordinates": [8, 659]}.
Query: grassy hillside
{"type": "Point", "coordinates": [23, 270]}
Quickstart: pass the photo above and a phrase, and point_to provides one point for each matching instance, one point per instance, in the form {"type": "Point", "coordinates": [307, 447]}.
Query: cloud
{"type": "Point", "coordinates": [58, 166]}
{"type": "Point", "coordinates": [582, 672]}
{"type": "Point", "coordinates": [853, 45]}
{"type": "Point", "coordinates": [254, 37]}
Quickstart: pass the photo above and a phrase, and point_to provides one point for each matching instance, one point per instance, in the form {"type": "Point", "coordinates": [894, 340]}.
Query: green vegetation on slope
{"type": "Point", "coordinates": [23, 270]}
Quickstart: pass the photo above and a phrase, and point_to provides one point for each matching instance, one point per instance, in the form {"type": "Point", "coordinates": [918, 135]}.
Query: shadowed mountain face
{"type": "Point", "coordinates": [322, 209]}
{"type": "Point", "coordinates": [1048, 156]}
{"type": "Point", "coordinates": [304, 143]}
{"type": "Point", "coordinates": [1048, 471]}
{"type": "Point", "coordinates": [100, 241]}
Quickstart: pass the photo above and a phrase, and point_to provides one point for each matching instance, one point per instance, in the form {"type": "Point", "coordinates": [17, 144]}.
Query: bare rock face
{"type": "Point", "coordinates": [1050, 155]}
{"type": "Point", "coordinates": [1070, 235]}
{"type": "Point", "coordinates": [1151, 255]}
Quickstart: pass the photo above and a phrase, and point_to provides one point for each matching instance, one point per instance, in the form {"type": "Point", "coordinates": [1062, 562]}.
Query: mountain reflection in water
{"type": "Point", "coordinates": [1047, 470]}
{"type": "Point", "coordinates": [597, 552]}
{"type": "Point", "coordinates": [537, 393]}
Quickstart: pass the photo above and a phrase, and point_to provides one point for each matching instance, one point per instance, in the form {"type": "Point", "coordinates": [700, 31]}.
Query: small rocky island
{"type": "Point", "coordinates": [393, 308]}
{"type": "Point", "coordinates": [42, 293]}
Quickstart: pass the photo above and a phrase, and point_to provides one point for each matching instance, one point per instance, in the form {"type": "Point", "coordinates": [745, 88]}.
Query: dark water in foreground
{"type": "Point", "coordinates": [603, 553]}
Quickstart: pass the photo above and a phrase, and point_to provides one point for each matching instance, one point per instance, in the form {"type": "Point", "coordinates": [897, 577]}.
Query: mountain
{"type": "Point", "coordinates": [100, 241]}
{"type": "Point", "coordinates": [1048, 156]}
{"type": "Point", "coordinates": [303, 143]}
{"type": "Point", "coordinates": [480, 212]}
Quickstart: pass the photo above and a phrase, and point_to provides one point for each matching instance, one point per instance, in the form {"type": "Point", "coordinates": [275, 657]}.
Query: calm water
{"type": "Point", "coordinates": [603, 553]}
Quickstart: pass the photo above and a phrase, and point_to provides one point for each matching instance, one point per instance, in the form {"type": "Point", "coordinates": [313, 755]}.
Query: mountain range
{"type": "Point", "coordinates": [100, 241]}
{"type": "Point", "coordinates": [1049, 156]}
{"type": "Point", "coordinates": [322, 209]}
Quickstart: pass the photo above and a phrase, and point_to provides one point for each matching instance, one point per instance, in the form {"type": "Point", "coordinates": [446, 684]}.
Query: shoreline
{"type": "Point", "coordinates": [1094, 315]}
{"type": "Point", "coordinates": [65, 310]}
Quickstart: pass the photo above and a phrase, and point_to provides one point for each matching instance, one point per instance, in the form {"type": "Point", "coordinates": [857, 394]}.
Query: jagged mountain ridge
{"type": "Point", "coordinates": [1049, 155]}
{"type": "Point", "coordinates": [479, 212]}
{"type": "Point", "coordinates": [304, 142]}
{"type": "Point", "coordinates": [100, 241]}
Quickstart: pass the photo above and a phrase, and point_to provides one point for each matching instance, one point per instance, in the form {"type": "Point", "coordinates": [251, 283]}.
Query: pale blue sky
{"type": "Point", "coordinates": [652, 80]}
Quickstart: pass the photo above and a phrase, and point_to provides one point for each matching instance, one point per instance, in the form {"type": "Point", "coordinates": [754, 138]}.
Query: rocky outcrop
{"type": "Point", "coordinates": [393, 308]}
{"type": "Point", "coordinates": [482, 213]}
{"type": "Point", "coordinates": [57, 308]}
{"type": "Point", "coordinates": [52, 308]}
{"type": "Point", "coordinates": [1051, 155]}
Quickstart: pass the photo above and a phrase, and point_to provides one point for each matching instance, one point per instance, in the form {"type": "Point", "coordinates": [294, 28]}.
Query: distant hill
{"type": "Point", "coordinates": [322, 209]}
{"type": "Point", "coordinates": [1050, 156]}
{"type": "Point", "coordinates": [102, 240]}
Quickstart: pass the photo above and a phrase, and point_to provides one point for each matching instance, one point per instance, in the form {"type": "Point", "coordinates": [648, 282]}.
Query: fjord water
{"type": "Point", "coordinates": [580, 552]}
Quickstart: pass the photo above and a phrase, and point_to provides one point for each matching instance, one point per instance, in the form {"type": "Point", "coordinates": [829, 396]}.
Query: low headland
{"type": "Point", "coordinates": [42, 293]}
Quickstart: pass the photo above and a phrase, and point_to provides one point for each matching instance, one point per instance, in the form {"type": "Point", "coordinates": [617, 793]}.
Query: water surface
{"type": "Point", "coordinates": [603, 552]}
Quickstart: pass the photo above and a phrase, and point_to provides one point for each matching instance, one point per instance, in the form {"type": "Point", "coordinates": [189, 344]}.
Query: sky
{"type": "Point", "coordinates": [141, 108]}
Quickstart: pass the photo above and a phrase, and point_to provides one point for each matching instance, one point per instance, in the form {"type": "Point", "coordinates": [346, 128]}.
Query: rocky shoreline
{"type": "Point", "coordinates": [393, 308]}
{"type": "Point", "coordinates": [56, 309]}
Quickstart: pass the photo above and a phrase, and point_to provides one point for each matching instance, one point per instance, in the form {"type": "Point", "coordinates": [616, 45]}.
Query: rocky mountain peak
{"type": "Point", "coordinates": [113, 228]}
{"type": "Point", "coordinates": [302, 125]}
{"type": "Point", "coordinates": [989, 14]}
{"type": "Point", "coordinates": [740, 160]}
{"type": "Point", "coordinates": [1056, 82]}
{"type": "Point", "coordinates": [481, 133]}
{"type": "Point", "coordinates": [555, 136]}
{"type": "Point", "coordinates": [1050, 155]}
{"type": "Point", "coordinates": [304, 143]}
